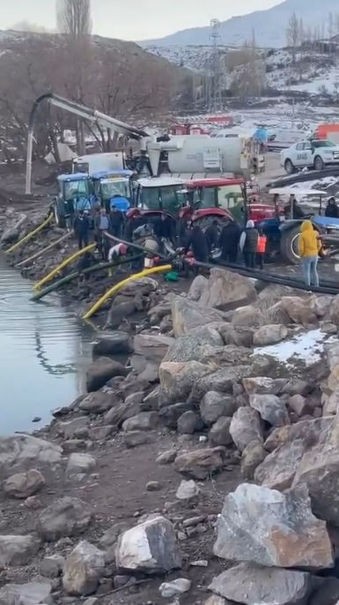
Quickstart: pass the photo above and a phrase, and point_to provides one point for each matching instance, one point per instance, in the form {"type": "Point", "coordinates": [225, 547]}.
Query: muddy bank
{"type": "Point", "coordinates": [119, 499]}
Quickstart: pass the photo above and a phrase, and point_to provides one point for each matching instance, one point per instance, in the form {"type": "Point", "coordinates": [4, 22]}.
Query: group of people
{"type": "Point", "coordinates": [112, 223]}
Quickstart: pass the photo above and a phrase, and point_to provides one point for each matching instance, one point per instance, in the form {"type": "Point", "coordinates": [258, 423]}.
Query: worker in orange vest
{"type": "Point", "coordinates": [261, 248]}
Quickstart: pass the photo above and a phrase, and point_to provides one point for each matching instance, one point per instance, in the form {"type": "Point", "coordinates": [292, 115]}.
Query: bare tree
{"type": "Point", "coordinates": [293, 35]}
{"type": "Point", "coordinates": [74, 17]}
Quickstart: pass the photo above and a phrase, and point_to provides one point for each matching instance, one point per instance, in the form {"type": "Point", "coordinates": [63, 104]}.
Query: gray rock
{"type": "Point", "coordinates": [71, 428]}
{"type": "Point", "coordinates": [188, 423]}
{"type": "Point", "coordinates": [215, 600]}
{"type": "Point", "coordinates": [152, 346]}
{"type": "Point", "coordinates": [269, 335]}
{"type": "Point", "coordinates": [136, 438]}
{"type": "Point", "coordinates": [83, 569]}
{"type": "Point", "coordinates": [298, 404]}
{"type": "Point", "coordinates": [23, 450]}
{"type": "Point", "coordinates": [187, 490]}
{"type": "Point", "coordinates": [249, 584]}
{"type": "Point", "coordinates": [151, 401]}
{"type": "Point", "coordinates": [167, 457]}
{"type": "Point", "coordinates": [187, 314]}
{"type": "Point", "coordinates": [145, 421]}
{"type": "Point", "coordinates": [101, 371]}
{"type": "Point", "coordinates": [96, 403]}
{"type": "Point", "coordinates": [226, 288]}
{"type": "Point", "coordinates": [64, 517]}
{"type": "Point", "coordinates": [149, 547]}
{"type": "Point", "coordinates": [271, 408]}
{"type": "Point", "coordinates": [192, 346]}
{"type": "Point", "coordinates": [221, 380]}
{"type": "Point", "coordinates": [17, 550]}
{"type": "Point", "coordinates": [80, 463]}
{"type": "Point", "coordinates": [214, 405]}
{"type": "Point", "coordinates": [23, 485]}
{"type": "Point", "coordinates": [263, 385]}
{"type": "Point", "coordinates": [100, 433]}
{"type": "Point", "coordinates": [175, 588]}
{"type": "Point", "coordinates": [245, 427]}
{"type": "Point", "coordinates": [327, 593]}
{"type": "Point", "coordinates": [248, 316]}
{"type": "Point", "coordinates": [198, 285]}
{"type": "Point", "coordinates": [111, 535]}
{"type": "Point", "coordinates": [120, 412]}
{"type": "Point", "coordinates": [200, 463]}
{"type": "Point", "coordinates": [263, 526]}
{"type": "Point", "coordinates": [220, 432]}
{"type": "Point", "coordinates": [32, 593]}
{"type": "Point", "coordinates": [178, 378]}
{"type": "Point", "coordinates": [52, 566]}
{"type": "Point", "coordinates": [117, 343]}
{"type": "Point", "coordinates": [253, 455]}
{"type": "Point", "coordinates": [170, 414]}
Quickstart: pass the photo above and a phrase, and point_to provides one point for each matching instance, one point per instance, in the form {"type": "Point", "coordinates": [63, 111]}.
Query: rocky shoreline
{"type": "Point", "coordinates": [202, 470]}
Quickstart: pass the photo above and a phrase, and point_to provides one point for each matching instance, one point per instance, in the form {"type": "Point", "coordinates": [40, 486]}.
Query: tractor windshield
{"type": "Point", "coordinates": [225, 196]}
{"type": "Point", "coordinates": [75, 189]}
{"type": "Point", "coordinates": [163, 197]}
{"type": "Point", "coordinates": [114, 187]}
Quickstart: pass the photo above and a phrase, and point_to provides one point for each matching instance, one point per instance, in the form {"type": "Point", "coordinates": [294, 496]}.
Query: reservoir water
{"type": "Point", "coordinates": [44, 352]}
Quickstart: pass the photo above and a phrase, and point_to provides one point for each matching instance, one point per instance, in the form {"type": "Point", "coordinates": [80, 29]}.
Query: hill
{"type": "Point", "coordinates": [269, 25]}
{"type": "Point", "coordinates": [112, 76]}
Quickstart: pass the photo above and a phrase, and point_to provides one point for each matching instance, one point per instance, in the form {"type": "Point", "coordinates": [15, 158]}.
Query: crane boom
{"type": "Point", "coordinates": [91, 115]}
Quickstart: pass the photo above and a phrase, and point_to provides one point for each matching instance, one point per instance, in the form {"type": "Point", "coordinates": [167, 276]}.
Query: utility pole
{"type": "Point", "coordinates": [214, 101]}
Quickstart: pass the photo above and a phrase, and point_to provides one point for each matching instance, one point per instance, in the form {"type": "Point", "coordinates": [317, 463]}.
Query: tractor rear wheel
{"type": "Point", "coordinates": [289, 245]}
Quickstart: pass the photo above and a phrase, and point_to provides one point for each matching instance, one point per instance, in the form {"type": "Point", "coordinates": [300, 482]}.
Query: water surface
{"type": "Point", "coordinates": [44, 352]}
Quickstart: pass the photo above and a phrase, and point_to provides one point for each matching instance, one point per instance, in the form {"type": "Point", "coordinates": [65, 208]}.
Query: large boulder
{"type": "Point", "coordinates": [32, 593]}
{"type": "Point", "coordinates": [187, 314]}
{"type": "Point", "coordinates": [197, 287]}
{"type": "Point", "coordinates": [153, 346]}
{"type": "Point", "coordinates": [310, 431]}
{"type": "Point", "coordinates": [245, 427]}
{"type": "Point", "coordinates": [214, 405]}
{"type": "Point", "coordinates": [149, 547]}
{"type": "Point", "coordinates": [266, 527]}
{"type": "Point", "coordinates": [117, 343]}
{"type": "Point", "coordinates": [221, 380]}
{"type": "Point", "coordinates": [278, 469]}
{"type": "Point", "coordinates": [249, 584]}
{"type": "Point", "coordinates": [145, 421]}
{"type": "Point", "coordinates": [192, 347]}
{"type": "Point", "coordinates": [200, 463]}
{"type": "Point", "coordinates": [178, 378]}
{"type": "Point", "coordinates": [219, 433]}
{"type": "Point", "coordinates": [248, 316]}
{"type": "Point", "coordinates": [271, 408]}
{"type": "Point", "coordinates": [253, 455]}
{"type": "Point", "coordinates": [269, 335]}
{"type": "Point", "coordinates": [264, 385]}
{"type": "Point", "coordinates": [226, 288]}
{"type": "Point", "coordinates": [334, 310]}
{"type": "Point", "coordinates": [97, 403]}
{"type": "Point", "coordinates": [23, 485]}
{"type": "Point", "coordinates": [80, 463]}
{"type": "Point", "coordinates": [83, 569]}
{"type": "Point", "coordinates": [298, 310]}
{"type": "Point", "coordinates": [12, 234]}
{"type": "Point", "coordinates": [17, 550]}
{"type": "Point", "coordinates": [101, 371]}
{"type": "Point", "coordinates": [63, 518]}
{"type": "Point", "coordinates": [319, 470]}
{"type": "Point", "coordinates": [21, 451]}
{"type": "Point", "coordinates": [170, 414]}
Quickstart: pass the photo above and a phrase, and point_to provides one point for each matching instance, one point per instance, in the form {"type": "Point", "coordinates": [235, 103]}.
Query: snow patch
{"type": "Point", "coordinates": [306, 347]}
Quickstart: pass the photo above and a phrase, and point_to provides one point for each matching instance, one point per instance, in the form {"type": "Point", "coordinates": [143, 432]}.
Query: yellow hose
{"type": "Point", "coordinates": [64, 263]}
{"type": "Point", "coordinates": [40, 252]}
{"type": "Point", "coordinates": [121, 284]}
{"type": "Point", "coordinates": [30, 234]}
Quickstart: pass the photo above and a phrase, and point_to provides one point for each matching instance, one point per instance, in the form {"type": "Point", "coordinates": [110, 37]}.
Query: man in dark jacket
{"type": "Point", "coordinates": [163, 227]}
{"type": "Point", "coordinates": [332, 210]}
{"type": "Point", "coordinates": [196, 239]}
{"type": "Point", "coordinates": [81, 229]}
{"type": "Point", "coordinates": [116, 221]}
{"type": "Point", "coordinates": [249, 244]}
{"type": "Point", "coordinates": [229, 242]}
{"type": "Point", "coordinates": [212, 236]}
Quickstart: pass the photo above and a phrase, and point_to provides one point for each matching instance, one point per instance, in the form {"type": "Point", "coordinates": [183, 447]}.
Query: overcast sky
{"type": "Point", "coordinates": [134, 19]}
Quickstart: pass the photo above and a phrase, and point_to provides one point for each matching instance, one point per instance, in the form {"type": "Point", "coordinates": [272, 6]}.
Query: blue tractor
{"type": "Point", "coordinates": [283, 229]}
{"type": "Point", "coordinates": [113, 188]}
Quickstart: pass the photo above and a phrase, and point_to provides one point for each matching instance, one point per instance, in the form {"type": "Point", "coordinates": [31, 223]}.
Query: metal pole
{"type": "Point", "coordinates": [28, 189]}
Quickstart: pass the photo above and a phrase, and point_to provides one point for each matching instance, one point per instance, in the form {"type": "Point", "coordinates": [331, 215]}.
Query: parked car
{"type": "Point", "coordinates": [309, 154]}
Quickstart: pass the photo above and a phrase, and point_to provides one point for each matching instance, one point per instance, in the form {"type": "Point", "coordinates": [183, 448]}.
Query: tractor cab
{"type": "Point", "coordinates": [113, 188]}
{"type": "Point", "coordinates": [74, 195]}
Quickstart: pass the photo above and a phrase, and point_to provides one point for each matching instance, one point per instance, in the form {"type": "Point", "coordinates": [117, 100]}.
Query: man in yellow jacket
{"type": "Point", "coordinates": [309, 248]}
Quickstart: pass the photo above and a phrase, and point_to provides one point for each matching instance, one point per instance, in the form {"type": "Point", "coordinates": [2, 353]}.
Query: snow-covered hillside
{"type": "Point", "coordinates": [269, 25]}
{"type": "Point", "coordinates": [314, 70]}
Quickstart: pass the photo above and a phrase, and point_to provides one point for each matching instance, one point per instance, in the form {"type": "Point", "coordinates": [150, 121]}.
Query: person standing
{"type": "Point", "coordinates": [229, 242]}
{"type": "Point", "coordinates": [332, 210]}
{"type": "Point", "coordinates": [309, 248]}
{"type": "Point", "coordinates": [102, 224]}
{"type": "Point", "coordinates": [212, 236]}
{"type": "Point", "coordinates": [116, 221]}
{"type": "Point", "coordinates": [249, 244]}
{"type": "Point", "coordinates": [81, 229]}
